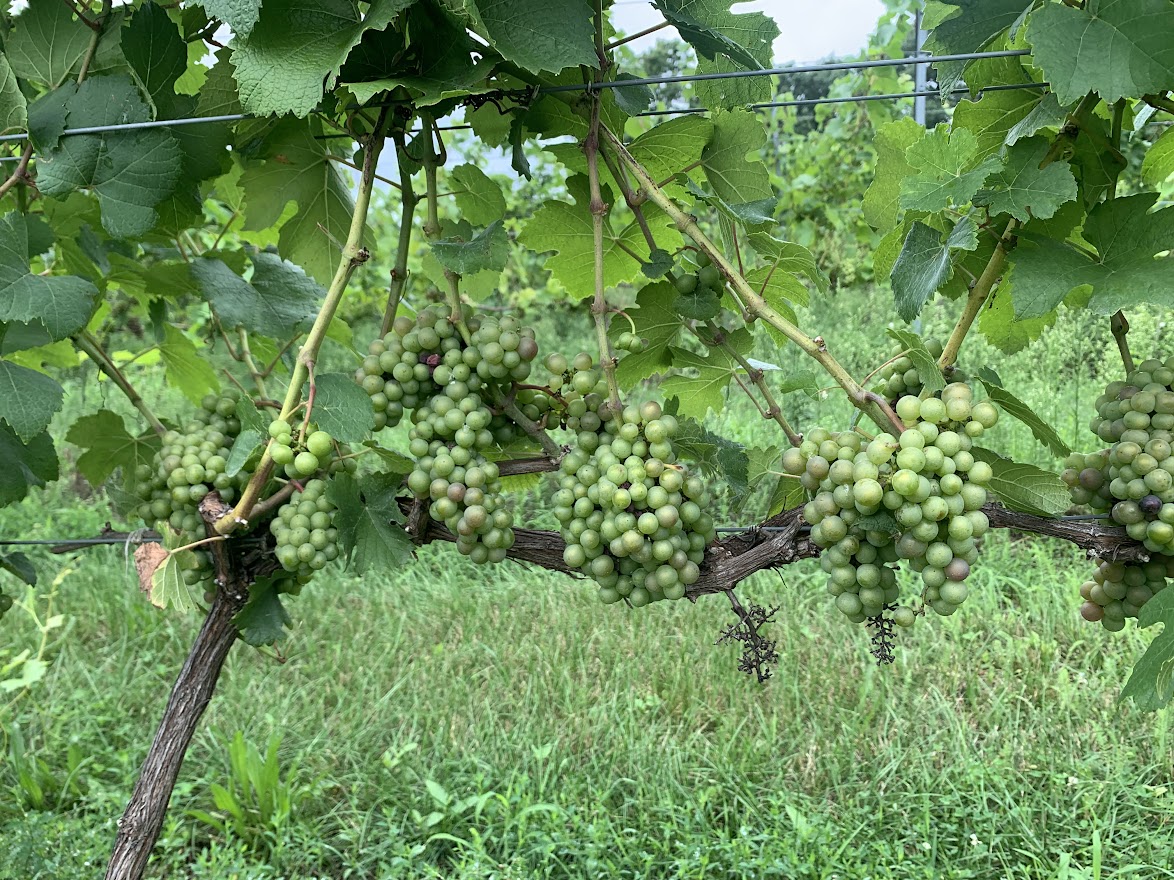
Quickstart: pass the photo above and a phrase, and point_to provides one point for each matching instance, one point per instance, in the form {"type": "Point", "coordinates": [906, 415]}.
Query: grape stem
{"type": "Point", "coordinates": [88, 343]}
{"type": "Point", "coordinates": [873, 405]}
{"type": "Point", "coordinates": [399, 272]}
{"type": "Point", "coordinates": [1158, 102]}
{"type": "Point", "coordinates": [246, 356]}
{"type": "Point", "coordinates": [978, 296]}
{"type": "Point", "coordinates": [353, 255]}
{"type": "Point", "coordinates": [510, 408]}
{"type": "Point", "coordinates": [274, 501]}
{"type": "Point", "coordinates": [599, 306]}
{"type": "Point", "coordinates": [199, 543]}
{"type": "Point", "coordinates": [98, 25]}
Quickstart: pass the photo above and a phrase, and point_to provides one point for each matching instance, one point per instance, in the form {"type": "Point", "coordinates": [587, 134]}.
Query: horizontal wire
{"type": "Point", "coordinates": [891, 96]}
{"type": "Point", "coordinates": [588, 87]}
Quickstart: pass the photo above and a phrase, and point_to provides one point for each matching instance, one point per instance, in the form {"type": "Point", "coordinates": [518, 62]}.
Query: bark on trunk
{"type": "Point", "coordinates": [140, 825]}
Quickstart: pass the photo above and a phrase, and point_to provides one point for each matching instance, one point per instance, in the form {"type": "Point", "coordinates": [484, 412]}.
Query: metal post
{"type": "Point", "coordinates": [919, 71]}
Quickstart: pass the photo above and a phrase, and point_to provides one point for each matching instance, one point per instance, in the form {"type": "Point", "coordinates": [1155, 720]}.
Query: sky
{"type": "Point", "coordinates": [811, 31]}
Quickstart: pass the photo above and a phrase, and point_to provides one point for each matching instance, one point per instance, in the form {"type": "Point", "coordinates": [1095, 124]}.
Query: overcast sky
{"type": "Point", "coordinates": [810, 30]}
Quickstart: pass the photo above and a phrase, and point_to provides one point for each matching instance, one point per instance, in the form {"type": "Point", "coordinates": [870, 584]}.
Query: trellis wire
{"type": "Point", "coordinates": [591, 87]}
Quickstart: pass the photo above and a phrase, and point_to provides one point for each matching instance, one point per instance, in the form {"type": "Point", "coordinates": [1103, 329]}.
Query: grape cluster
{"type": "Point", "coordinates": [1134, 477]}
{"type": "Point", "coordinates": [901, 379]}
{"type": "Point", "coordinates": [700, 291]}
{"type": "Point", "coordinates": [304, 528]}
{"type": "Point", "coordinates": [420, 357]}
{"type": "Point", "coordinates": [916, 497]}
{"type": "Point", "coordinates": [632, 517]}
{"type": "Point", "coordinates": [1118, 590]}
{"type": "Point", "coordinates": [582, 389]}
{"type": "Point", "coordinates": [303, 458]}
{"type": "Point", "coordinates": [190, 464]}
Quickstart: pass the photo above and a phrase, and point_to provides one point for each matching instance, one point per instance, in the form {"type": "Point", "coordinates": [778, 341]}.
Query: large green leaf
{"type": "Point", "coordinates": [1022, 188]}
{"type": "Point", "coordinates": [155, 51]}
{"type": "Point", "coordinates": [1151, 683]}
{"type": "Point", "coordinates": [478, 196]}
{"type": "Point", "coordinates": [994, 114]}
{"type": "Point", "coordinates": [708, 41]}
{"type": "Point", "coordinates": [131, 171]}
{"type": "Point", "coordinates": [26, 465]}
{"type": "Point", "coordinates": [296, 169]}
{"type": "Point", "coordinates": [924, 264]}
{"type": "Point", "coordinates": [1025, 487]}
{"type": "Point", "coordinates": [536, 35]}
{"type": "Point", "coordinates": [297, 46]}
{"type": "Point", "coordinates": [974, 27]}
{"type": "Point", "coordinates": [754, 32]}
{"type": "Point", "coordinates": [28, 400]}
{"type": "Point", "coordinates": [13, 109]}
{"type": "Point", "coordinates": [1158, 164]}
{"type": "Point", "coordinates": [566, 229]}
{"type": "Point", "coordinates": [186, 368]}
{"type": "Point", "coordinates": [240, 15]}
{"type": "Point", "coordinates": [734, 177]}
{"type": "Point", "coordinates": [657, 322]}
{"type": "Point", "coordinates": [367, 521]}
{"type": "Point", "coordinates": [60, 304]}
{"type": "Point", "coordinates": [718, 457]}
{"type": "Point", "coordinates": [488, 249]}
{"type": "Point", "coordinates": [1124, 271]}
{"type": "Point", "coordinates": [944, 173]}
{"type": "Point", "coordinates": [892, 140]}
{"type": "Point", "coordinates": [47, 44]}
{"type": "Point", "coordinates": [1016, 408]}
{"type": "Point", "coordinates": [342, 408]}
{"type": "Point", "coordinates": [280, 298]}
{"type": "Point", "coordinates": [1116, 48]}
{"type": "Point", "coordinates": [704, 391]}
{"type": "Point", "coordinates": [263, 619]}
{"type": "Point", "coordinates": [108, 445]}
{"type": "Point", "coordinates": [671, 146]}
{"type": "Point", "coordinates": [997, 322]}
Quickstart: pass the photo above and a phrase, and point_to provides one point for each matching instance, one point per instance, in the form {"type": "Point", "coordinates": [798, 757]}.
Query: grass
{"type": "Point", "coordinates": [450, 721]}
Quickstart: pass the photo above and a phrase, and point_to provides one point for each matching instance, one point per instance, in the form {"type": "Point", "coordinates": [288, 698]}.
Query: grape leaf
{"type": "Point", "coordinates": [26, 465]}
{"type": "Point", "coordinates": [47, 43]}
{"type": "Point", "coordinates": [299, 45]}
{"type": "Point", "coordinates": [1150, 684]}
{"type": "Point", "coordinates": [1004, 331]}
{"type": "Point", "coordinates": [716, 456]}
{"type": "Point", "coordinates": [1022, 188]}
{"type": "Point", "coordinates": [280, 298]}
{"type": "Point", "coordinates": [657, 321]}
{"type": "Point", "coordinates": [131, 171]}
{"type": "Point", "coordinates": [790, 259]}
{"type": "Point", "coordinates": [1047, 113]}
{"type": "Point", "coordinates": [891, 142]}
{"type": "Point", "coordinates": [1024, 487]}
{"type": "Point", "coordinates": [788, 493]}
{"type": "Point", "coordinates": [186, 369]}
{"type": "Point", "coordinates": [108, 445]}
{"type": "Point", "coordinates": [708, 41]}
{"type": "Point", "coordinates": [240, 15]}
{"type": "Point", "coordinates": [733, 176]}
{"type": "Point", "coordinates": [13, 109]}
{"type": "Point", "coordinates": [994, 114]}
{"type": "Point", "coordinates": [668, 147]}
{"type": "Point", "coordinates": [263, 619]}
{"type": "Point", "coordinates": [1123, 273]}
{"type": "Point", "coordinates": [1116, 48]}
{"type": "Point", "coordinates": [753, 31]}
{"type": "Point", "coordinates": [975, 26]}
{"type": "Point", "coordinates": [632, 99]}
{"type": "Point", "coordinates": [246, 444]}
{"type": "Point", "coordinates": [924, 264]}
{"type": "Point", "coordinates": [478, 196]}
{"type": "Point", "coordinates": [167, 588]}
{"type": "Point", "coordinates": [1016, 408]}
{"type": "Point", "coordinates": [566, 229]}
{"type": "Point", "coordinates": [367, 521]}
{"type": "Point", "coordinates": [296, 168]}
{"type": "Point", "coordinates": [660, 263]}
{"type": "Point", "coordinates": [700, 305]}
{"type": "Point", "coordinates": [341, 408]}
{"type": "Point", "coordinates": [20, 567]}
{"type": "Point", "coordinates": [703, 392]}
{"type": "Point", "coordinates": [61, 304]}
{"type": "Point", "coordinates": [28, 399]}
{"type": "Point", "coordinates": [943, 173]}
{"type": "Point", "coordinates": [155, 51]}
{"type": "Point", "coordinates": [924, 362]}
{"type": "Point", "coordinates": [489, 249]}
{"type": "Point", "coordinates": [534, 34]}
{"type": "Point", "coordinates": [1158, 164]}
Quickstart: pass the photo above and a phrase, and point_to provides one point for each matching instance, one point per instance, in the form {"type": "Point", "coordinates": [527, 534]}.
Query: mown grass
{"type": "Point", "coordinates": [452, 721]}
